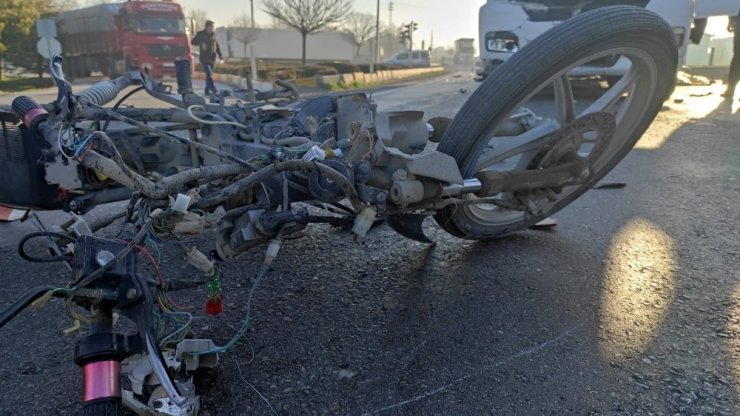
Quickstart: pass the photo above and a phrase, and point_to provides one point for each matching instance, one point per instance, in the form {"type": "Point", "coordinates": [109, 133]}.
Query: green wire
{"type": "Point", "coordinates": [245, 324]}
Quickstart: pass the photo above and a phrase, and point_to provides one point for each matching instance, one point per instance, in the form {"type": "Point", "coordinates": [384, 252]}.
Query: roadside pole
{"type": "Point", "coordinates": [376, 52]}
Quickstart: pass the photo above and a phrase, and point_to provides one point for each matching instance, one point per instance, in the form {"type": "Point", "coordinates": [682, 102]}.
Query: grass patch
{"type": "Point", "coordinates": [354, 85]}
{"type": "Point", "coordinates": [9, 84]}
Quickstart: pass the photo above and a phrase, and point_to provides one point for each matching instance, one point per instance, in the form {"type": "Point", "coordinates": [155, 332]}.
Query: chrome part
{"type": "Point", "coordinates": [470, 186]}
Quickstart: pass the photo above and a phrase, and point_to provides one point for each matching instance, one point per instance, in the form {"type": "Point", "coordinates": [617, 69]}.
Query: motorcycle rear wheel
{"type": "Point", "coordinates": [636, 35]}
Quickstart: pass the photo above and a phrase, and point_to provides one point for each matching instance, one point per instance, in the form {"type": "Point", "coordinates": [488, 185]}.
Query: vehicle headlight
{"type": "Point", "coordinates": [502, 42]}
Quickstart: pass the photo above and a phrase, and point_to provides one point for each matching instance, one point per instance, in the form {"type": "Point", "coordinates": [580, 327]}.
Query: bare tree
{"type": "Point", "coordinates": [307, 16]}
{"type": "Point", "coordinates": [361, 26]}
{"type": "Point", "coordinates": [277, 24]}
{"type": "Point", "coordinates": [61, 5]}
{"type": "Point", "coordinates": [197, 19]}
{"type": "Point", "coordinates": [242, 31]}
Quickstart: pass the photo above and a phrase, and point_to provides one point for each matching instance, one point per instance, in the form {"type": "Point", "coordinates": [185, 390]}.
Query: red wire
{"type": "Point", "coordinates": [161, 278]}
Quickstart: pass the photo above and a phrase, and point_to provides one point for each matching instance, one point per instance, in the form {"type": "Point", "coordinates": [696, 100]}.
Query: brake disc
{"type": "Point", "coordinates": [597, 128]}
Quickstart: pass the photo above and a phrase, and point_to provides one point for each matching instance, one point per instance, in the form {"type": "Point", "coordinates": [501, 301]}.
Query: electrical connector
{"type": "Point", "coordinates": [272, 251]}
{"type": "Point", "coordinates": [315, 153]}
{"type": "Point", "coordinates": [363, 222]}
{"type": "Point", "coordinates": [190, 223]}
{"type": "Point", "coordinates": [200, 261]}
{"type": "Point", "coordinates": [181, 204]}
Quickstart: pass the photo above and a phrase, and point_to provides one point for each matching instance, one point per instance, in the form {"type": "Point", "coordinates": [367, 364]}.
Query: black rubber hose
{"type": "Point", "coordinates": [48, 259]}
{"type": "Point", "coordinates": [8, 314]}
{"type": "Point", "coordinates": [118, 104]}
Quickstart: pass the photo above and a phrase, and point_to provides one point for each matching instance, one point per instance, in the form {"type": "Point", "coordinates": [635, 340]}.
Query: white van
{"type": "Point", "coordinates": [417, 58]}
{"type": "Point", "coordinates": [505, 26]}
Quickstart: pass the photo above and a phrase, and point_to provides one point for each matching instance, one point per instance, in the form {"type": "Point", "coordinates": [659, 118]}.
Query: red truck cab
{"type": "Point", "coordinates": [115, 37]}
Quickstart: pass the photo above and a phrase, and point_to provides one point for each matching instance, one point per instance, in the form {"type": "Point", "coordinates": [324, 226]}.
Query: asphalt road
{"type": "Point", "coordinates": [631, 305]}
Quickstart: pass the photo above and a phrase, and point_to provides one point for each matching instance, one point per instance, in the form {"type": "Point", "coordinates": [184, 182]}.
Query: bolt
{"type": "Point", "coordinates": [132, 294]}
{"type": "Point", "coordinates": [104, 257]}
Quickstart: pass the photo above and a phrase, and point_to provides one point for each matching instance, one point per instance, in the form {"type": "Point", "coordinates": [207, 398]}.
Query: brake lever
{"type": "Point", "coordinates": [65, 101]}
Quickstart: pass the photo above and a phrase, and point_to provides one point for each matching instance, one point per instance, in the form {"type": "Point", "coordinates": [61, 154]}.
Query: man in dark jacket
{"type": "Point", "coordinates": [206, 41]}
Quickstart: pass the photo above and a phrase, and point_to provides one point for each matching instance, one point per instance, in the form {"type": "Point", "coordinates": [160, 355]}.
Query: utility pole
{"type": "Point", "coordinates": [376, 52]}
{"type": "Point", "coordinates": [252, 59]}
{"type": "Point", "coordinates": [390, 14]}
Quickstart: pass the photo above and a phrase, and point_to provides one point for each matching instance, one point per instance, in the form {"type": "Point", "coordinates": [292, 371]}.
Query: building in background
{"type": "Point", "coordinates": [711, 51]}
{"type": "Point", "coordinates": [285, 45]}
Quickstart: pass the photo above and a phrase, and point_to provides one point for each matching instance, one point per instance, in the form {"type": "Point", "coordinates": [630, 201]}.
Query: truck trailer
{"type": "Point", "coordinates": [464, 51]}
{"type": "Point", "coordinates": [116, 37]}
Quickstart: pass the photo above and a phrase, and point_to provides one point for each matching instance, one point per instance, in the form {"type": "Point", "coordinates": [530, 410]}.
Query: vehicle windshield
{"type": "Point", "coordinates": [160, 24]}
{"type": "Point", "coordinates": [559, 10]}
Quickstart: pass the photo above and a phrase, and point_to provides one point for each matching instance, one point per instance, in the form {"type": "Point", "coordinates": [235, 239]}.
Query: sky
{"type": "Point", "coordinates": [440, 17]}
{"type": "Point", "coordinates": [448, 23]}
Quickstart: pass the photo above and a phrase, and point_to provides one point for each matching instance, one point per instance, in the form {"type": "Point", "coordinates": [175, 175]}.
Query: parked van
{"type": "Point", "coordinates": [505, 26]}
{"type": "Point", "coordinates": [417, 58]}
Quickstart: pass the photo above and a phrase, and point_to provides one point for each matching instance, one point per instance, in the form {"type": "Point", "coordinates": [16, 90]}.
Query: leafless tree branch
{"type": "Point", "coordinates": [307, 16]}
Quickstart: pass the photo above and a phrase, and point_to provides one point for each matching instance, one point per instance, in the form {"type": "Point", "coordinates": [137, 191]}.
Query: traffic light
{"type": "Point", "coordinates": [408, 33]}
{"type": "Point", "coordinates": [403, 36]}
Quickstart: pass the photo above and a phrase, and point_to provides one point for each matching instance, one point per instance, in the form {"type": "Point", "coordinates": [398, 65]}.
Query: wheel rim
{"type": "Point", "coordinates": [629, 100]}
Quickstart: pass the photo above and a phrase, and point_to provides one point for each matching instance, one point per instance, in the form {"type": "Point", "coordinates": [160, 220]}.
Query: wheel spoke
{"type": "Point", "coordinates": [612, 96]}
{"type": "Point", "coordinates": [506, 147]}
{"type": "Point", "coordinates": [565, 104]}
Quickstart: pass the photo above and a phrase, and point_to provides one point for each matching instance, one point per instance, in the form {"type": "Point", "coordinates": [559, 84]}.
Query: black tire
{"type": "Point", "coordinates": [589, 35]}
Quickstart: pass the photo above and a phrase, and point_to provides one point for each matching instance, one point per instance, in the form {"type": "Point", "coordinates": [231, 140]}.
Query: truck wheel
{"type": "Point", "coordinates": [633, 102]}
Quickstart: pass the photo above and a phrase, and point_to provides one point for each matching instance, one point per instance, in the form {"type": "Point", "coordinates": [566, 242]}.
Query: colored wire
{"type": "Point", "coordinates": [167, 299]}
{"type": "Point", "coordinates": [181, 329]}
{"type": "Point", "coordinates": [247, 319]}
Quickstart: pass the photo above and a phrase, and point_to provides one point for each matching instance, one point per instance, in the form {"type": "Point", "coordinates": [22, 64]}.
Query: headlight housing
{"type": "Point", "coordinates": [502, 41]}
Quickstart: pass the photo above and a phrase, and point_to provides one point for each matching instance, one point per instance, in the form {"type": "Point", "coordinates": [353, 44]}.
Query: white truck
{"type": "Point", "coordinates": [710, 8]}
{"type": "Point", "coordinates": [505, 26]}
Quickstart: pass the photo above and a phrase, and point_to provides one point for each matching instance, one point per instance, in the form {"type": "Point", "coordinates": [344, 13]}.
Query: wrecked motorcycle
{"type": "Point", "coordinates": [270, 169]}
